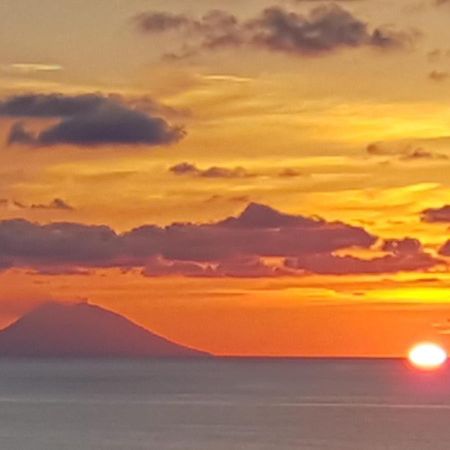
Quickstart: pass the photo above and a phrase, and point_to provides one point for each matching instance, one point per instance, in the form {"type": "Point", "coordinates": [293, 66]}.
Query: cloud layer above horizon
{"type": "Point", "coordinates": [260, 242]}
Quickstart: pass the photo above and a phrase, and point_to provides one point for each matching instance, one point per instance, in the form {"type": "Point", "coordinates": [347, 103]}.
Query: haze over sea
{"type": "Point", "coordinates": [222, 405]}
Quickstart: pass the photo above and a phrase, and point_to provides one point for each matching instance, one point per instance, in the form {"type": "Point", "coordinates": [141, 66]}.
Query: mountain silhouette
{"type": "Point", "coordinates": [82, 330]}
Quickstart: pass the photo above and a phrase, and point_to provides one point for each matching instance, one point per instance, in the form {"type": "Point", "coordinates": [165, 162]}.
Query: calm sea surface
{"type": "Point", "coordinates": [222, 405]}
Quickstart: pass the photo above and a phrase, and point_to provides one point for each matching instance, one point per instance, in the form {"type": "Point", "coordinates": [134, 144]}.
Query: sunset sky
{"type": "Point", "coordinates": [246, 177]}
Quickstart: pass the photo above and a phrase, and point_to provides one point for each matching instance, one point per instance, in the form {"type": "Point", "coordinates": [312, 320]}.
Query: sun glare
{"type": "Point", "coordinates": [427, 356]}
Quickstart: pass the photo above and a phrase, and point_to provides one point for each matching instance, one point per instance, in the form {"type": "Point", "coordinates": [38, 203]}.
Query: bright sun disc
{"type": "Point", "coordinates": [427, 356]}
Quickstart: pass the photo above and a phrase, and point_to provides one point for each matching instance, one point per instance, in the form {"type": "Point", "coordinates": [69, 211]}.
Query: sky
{"type": "Point", "coordinates": [248, 178]}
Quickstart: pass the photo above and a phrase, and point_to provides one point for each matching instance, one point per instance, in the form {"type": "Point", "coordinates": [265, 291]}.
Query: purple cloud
{"type": "Point", "coordinates": [436, 215]}
{"type": "Point", "coordinates": [236, 247]}
{"type": "Point", "coordinates": [86, 120]}
{"type": "Point", "coordinates": [187, 169]}
{"type": "Point", "coordinates": [405, 255]}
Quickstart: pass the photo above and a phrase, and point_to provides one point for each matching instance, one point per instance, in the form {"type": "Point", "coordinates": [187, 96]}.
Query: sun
{"type": "Point", "coordinates": [427, 356]}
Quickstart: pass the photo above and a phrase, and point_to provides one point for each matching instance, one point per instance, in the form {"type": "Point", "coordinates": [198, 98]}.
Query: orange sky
{"type": "Point", "coordinates": [348, 126]}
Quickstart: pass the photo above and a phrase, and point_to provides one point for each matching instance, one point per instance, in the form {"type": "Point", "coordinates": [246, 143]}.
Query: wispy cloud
{"type": "Point", "coordinates": [30, 68]}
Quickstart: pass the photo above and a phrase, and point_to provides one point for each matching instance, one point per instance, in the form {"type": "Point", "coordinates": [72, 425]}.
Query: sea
{"type": "Point", "coordinates": [223, 404]}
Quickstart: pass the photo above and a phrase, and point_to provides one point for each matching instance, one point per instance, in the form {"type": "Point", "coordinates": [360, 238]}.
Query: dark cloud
{"type": "Point", "coordinates": [56, 203]}
{"type": "Point", "coordinates": [184, 169]}
{"type": "Point", "coordinates": [436, 215]}
{"type": "Point", "coordinates": [26, 244]}
{"type": "Point", "coordinates": [235, 247]}
{"type": "Point", "coordinates": [158, 22]}
{"type": "Point", "coordinates": [403, 255]}
{"type": "Point", "coordinates": [244, 267]}
{"type": "Point", "coordinates": [325, 29]}
{"type": "Point", "coordinates": [51, 105]}
{"type": "Point", "coordinates": [404, 151]}
{"type": "Point", "coordinates": [86, 120]}
{"type": "Point", "coordinates": [329, 264]}
{"type": "Point", "coordinates": [14, 204]}
{"type": "Point", "coordinates": [407, 246]}
{"type": "Point", "coordinates": [259, 230]}
{"type": "Point", "coordinates": [211, 172]}
{"type": "Point", "coordinates": [189, 169]}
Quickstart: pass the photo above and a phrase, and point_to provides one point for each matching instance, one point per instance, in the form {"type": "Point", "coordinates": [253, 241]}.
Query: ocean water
{"type": "Point", "coordinates": [223, 405]}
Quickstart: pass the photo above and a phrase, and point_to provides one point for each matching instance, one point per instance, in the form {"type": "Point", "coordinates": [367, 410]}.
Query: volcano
{"type": "Point", "coordinates": [83, 330]}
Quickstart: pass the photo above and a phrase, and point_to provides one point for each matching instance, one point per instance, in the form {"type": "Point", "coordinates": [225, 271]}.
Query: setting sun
{"type": "Point", "coordinates": [427, 356]}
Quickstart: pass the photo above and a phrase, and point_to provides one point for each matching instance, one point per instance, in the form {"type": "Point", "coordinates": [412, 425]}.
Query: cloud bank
{"type": "Point", "coordinates": [238, 246]}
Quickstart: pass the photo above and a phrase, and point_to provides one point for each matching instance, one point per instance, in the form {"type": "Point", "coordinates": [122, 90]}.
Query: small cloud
{"type": "Point", "coordinates": [290, 173]}
{"type": "Point", "coordinates": [438, 76]}
{"type": "Point", "coordinates": [404, 151]}
{"type": "Point", "coordinates": [436, 215]}
{"type": "Point", "coordinates": [57, 203]}
{"type": "Point", "coordinates": [420, 153]}
{"type": "Point", "coordinates": [211, 172]}
{"type": "Point", "coordinates": [184, 169]}
{"type": "Point", "coordinates": [11, 204]}
{"type": "Point", "coordinates": [402, 246]}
